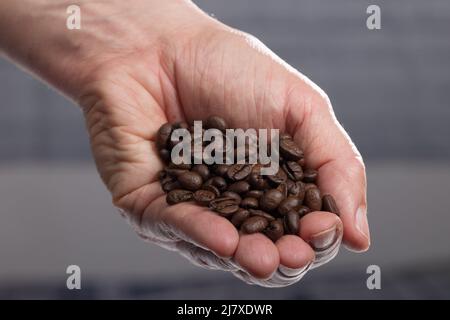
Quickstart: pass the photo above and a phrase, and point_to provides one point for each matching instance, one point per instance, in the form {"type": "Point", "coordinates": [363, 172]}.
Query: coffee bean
{"type": "Point", "coordinates": [260, 213]}
{"type": "Point", "coordinates": [190, 180]}
{"type": "Point", "coordinates": [310, 175]}
{"type": "Point", "coordinates": [270, 200]}
{"type": "Point", "coordinates": [277, 178]}
{"type": "Point", "coordinates": [288, 204]}
{"type": "Point", "coordinates": [164, 154]}
{"type": "Point", "coordinates": [175, 172]}
{"type": "Point", "coordinates": [291, 222]}
{"type": "Point", "coordinates": [239, 171]}
{"type": "Point", "coordinates": [215, 122]}
{"type": "Point", "coordinates": [274, 230]}
{"type": "Point", "coordinates": [249, 203]}
{"type": "Point", "coordinates": [283, 188]}
{"type": "Point", "coordinates": [202, 170]}
{"type": "Point", "coordinates": [289, 150]}
{"type": "Point", "coordinates": [298, 190]}
{"type": "Point", "coordinates": [313, 200]}
{"type": "Point", "coordinates": [178, 195]}
{"type": "Point", "coordinates": [254, 224]}
{"type": "Point", "coordinates": [240, 187]}
{"type": "Point", "coordinates": [180, 166]}
{"type": "Point", "coordinates": [163, 136]}
{"type": "Point", "coordinates": [221, 169]}
{"type": "Point", "coordinates": [293, 170]}
{"type": "Point", "coordinates": [310, 186]}
{"type": "Point", "coordinates": [301, 162]}
{"type": "Point", "coordinates": [181, 125]}
{"type": "Point", "coordinates": [224, 206]}
{"type": "Point", "coordinates": [239, 217]}
{"type": "Point", "coordinates": [171, 185]}
{"type": "Point", "coordinates": [258, 182]}
{"type": "Point", "coordinates": [304, 210]}
{"type": "Point", "coordinates": [204, 197]}
{"type": "Point", "coordinates": [219, 183]}
{"type": "Point", "coordinates": [233, 195]}
{"type": "Point", "coordinates": [211, 188]}
{"type": "Point", "coordinates": [254, 194]}
{"type": "Point", "coordinates": [328, 204]}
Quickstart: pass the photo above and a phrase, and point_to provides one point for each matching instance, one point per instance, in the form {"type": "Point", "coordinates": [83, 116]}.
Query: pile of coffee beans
{"type": "Point", "coordinates": [270, 204]}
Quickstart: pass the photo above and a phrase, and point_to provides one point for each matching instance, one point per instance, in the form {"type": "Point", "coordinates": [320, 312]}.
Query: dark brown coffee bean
{"type": "Point", "coordinates": [310, 175]}
{"type": "Point", "coordinates": [190, 180]}
{"type": "Point", "coordinates": [224, 206]}
{"type": "Point", "coordinates": [204, 197]}
{"type": "Point", "coordinates": [310, 186]}
{"type": "Point", "coordinates": [289, 150]}
{"type": "Point", "coordinates": [257, 181]}
{"type": "Point", "coordinates": [162, 175]}
{"type": "Point", "coordinates": [254, 224]}
{"type": "Point", "coordinates": [181, 125]}
{"type": "Point", "coordinates": [202, 170]}
{"type": "Point", "coordinates": [239, 217]}
{"type": "Point", "coordinates": [291, 222]}
{"type": "Point", "coordinates": [215, 122]}
{"type": "Point", "coordinates": [328, 204]}
{"type": "Point", "coordinates": [175, 172]}
{"type": "Point", "coordinates": [180, 166]}
{"type": "Point", "coordinates": [298, 190]}
{"type": "Point", "coordinates": [293, 170]}
{"type": "Point", "coordinates": [288, 204]}
{"type": "Point", "coordinates": [239, 171]}
{"type": "Point", "coordinates": [171, 185]}
{"type": "Point", "coordinates": [211, 188]}
{"type": "Point", "coordinates": [240, 187]}
{"type": "Point", "coordinates": [249, 203]}
{"type": "Point", "coordinates": [313, 199]}
{"type": "Point", "coordinates": [274, 230]}
{"type": "Point", "coordinates": [260, 213]}
{"type": "Point", "coordinates": [270, 200]}
{"type": "Point", "coordinates": [233, 195]}
{"type": "Point", "coordinates": [163, 136]}
{"type": "Point", "coordinates": [304, 210]}
{"type": "Point", "coordinates": [277, 178]}
{"type": "Point", "coordinates": [221, 169]}
{"type": "Point", "coordinates": [164, 154]}
{"type": "Point", "coordinates": [254, 194]}
{"type": "Point", "coordinates": [283, 188]}
{"type": "Point", "coordinates": [217, 182]}
{"type": "Point", "coordinates": [178, 195]}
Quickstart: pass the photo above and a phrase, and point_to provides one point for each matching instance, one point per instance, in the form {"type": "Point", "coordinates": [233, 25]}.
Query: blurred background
{"type": "Point", "coordinates": [390, 89]}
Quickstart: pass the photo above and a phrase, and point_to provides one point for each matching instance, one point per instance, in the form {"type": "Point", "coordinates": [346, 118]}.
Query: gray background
{"type": "Point", "coordinates": [391, 90]}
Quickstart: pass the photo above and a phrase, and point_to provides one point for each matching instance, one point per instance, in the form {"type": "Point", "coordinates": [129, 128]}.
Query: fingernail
{"type": "Point", "coordinates": [361, 222]}
{"type": "Point", "coordinates": [324, 239]}
{"type": "Point", "coordinates": [290, 272]}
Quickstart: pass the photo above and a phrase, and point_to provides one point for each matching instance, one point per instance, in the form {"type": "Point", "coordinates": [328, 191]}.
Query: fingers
{"type": "Point", "coordinates": [257, 255]}
{"type": "Point", "coordinates": [329, 149]}
{"type": "Point", "coordinates": [190, 223]}
{"type": "Point", "coordinates": [294, 253]}
{"type": "Point", "coordinates": [323, 232]}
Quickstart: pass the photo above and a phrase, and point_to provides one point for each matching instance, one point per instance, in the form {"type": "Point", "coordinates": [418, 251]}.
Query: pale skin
{"type": "Point", "coordinates": [135, 65]}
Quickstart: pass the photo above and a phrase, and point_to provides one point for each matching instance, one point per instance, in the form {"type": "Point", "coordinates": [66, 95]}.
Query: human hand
{"type": "Point", "coordinates": [190, 67]}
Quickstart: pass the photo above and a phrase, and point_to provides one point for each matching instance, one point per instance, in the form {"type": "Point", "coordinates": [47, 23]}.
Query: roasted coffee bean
{"type": "Point", "coordinates": [270, 200]}
{"type": "Point", "coordinates": [164, 154]}
{"type": "Point", "coordinates": [202, 170]}
{"type": "Point", "coordinates": [249, 203]}
{"type": "Point", "coordinates": [260, 213]}
{"type": "Point", "coordinates": [310, 175]}
{"type": "Point", "coordinates": [171, 185]}
{"type": "Point", "coordinates": [274, 230]}
{"type": "Point", "coordinates": [254, 194]}
{"type": "Point", "coordinates": [221, 169]}
{"type": "Point", "coordinates": [190, 180]}
{"type": "Point", "coordinates": [211, 188]}
{"type": "Point", "coordinates": [258, 182]}
{"type": "Point", "coordinates": [224, 206]}
{"type": "Point", "coordinates": [240, 187]}
{"type": "Point", "coordinates": [239, 217]}
{"type": "Point", "coordinates": [298, 190]}
{"type": "Point", "coordinates": [310, 186]}
{"type": "Point", "coordinates": [219, 183]}
{"type": "Point", "coordinates": [283, 188]}
{"type": "Point", "coordinates": [204, 197]}
{"type": "Point", "coordinates": [233, 195]}
{"type": "Point", "coordinates": [163, 135]}
{"type": "Point", "coordinates": [291, 222]}
{"type": "Point", "coordinates": [181, 125]}
{"type": "Point", "coordinates": [178, 195]}
{"type": "Point", "coordinates": [313, 199]}
{"type": "Point", "coordinates": [175, 172]}
{"type": "Point", "coordinates": [215, 122]}
{"type": "Point", "coordinates": [279, 177]}
{"type": "Point", "coordinates": [254, 224]}
{"type": "Point", "coordinates": [180, 166]}
{"type": "Point", "coordinates": [328, 204]}
{"type": "Point", "coordinates": [239, 171]}
{"type": "Point", "coordinates": [289, 150]}
{"type": "Point", "coordinates": [288, 204]}
{"type": "Point", "coordinates": [293, 170]}
{"type": "Point", "coordinates": [304, 210]}
{"type": "Point", "coordinates": [162, 175]}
